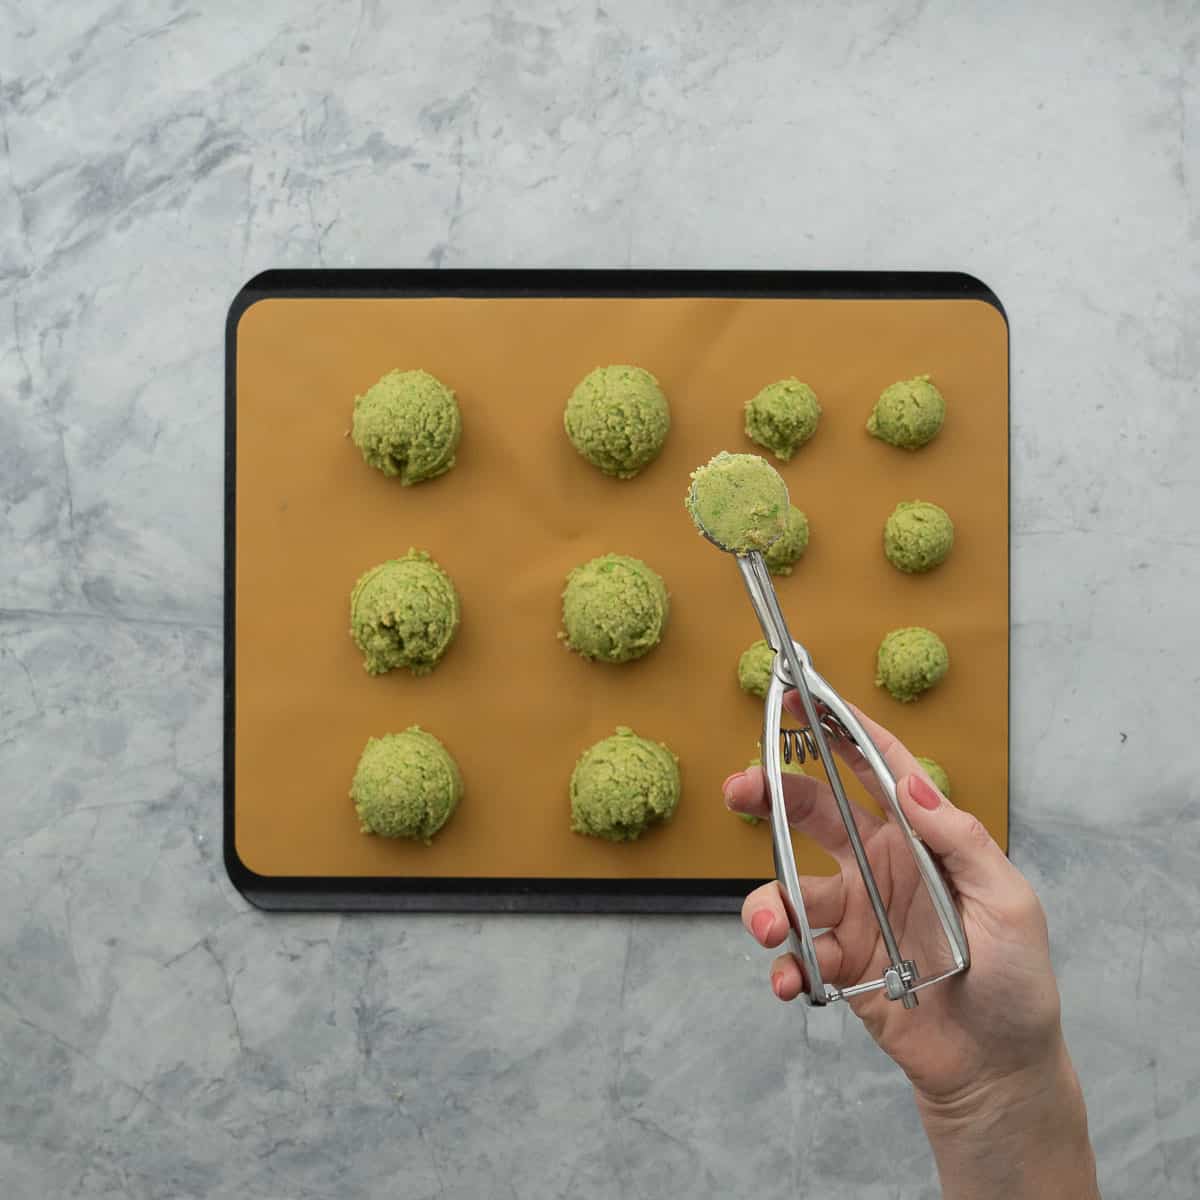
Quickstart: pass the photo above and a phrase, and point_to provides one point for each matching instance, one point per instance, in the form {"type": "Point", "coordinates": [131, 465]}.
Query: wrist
{"type": "Point", "coordinates": [1009, 1097]}
{"type": "Point", "coordinates": [1024, 1133]}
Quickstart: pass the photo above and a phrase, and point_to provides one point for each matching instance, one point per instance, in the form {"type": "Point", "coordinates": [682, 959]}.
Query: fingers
{"type": "Point", "coordinates": [897, 756]}
{"type": "Point", "coordinates": [787, 979]}
{"type": "Point", "coordinates": [972, 860]}
{"type": "Point", "coordinates": [899, 759]}
{"type": "Point", "coordinates": [766, 921]}
{"type": "Point", "coordinates": [764, 917]}
{"type": "Point", "coordinates": [809, 805]}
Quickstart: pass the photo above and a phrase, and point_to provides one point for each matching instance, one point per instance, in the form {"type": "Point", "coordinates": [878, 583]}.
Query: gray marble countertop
{"type": "Point", "coordinates": [161, 1039]}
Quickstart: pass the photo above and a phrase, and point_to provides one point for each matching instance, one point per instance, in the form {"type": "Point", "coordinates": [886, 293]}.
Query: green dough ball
{"type": "Point", "coordinates": [618, 419]}
{"type": "Point", "coordinates": [910, 661]}
{"type": "Point", "coordinates": [740, 501]}
{"type": "Point", "coordinates": [783, 416]}
{"type": "Point", "coordinates": [407, 424]}
{"type": "Point", "coordinates": [755, 668]}
{"type": "Point", "coordinates": [908, 414]}
{"type": "Point", "coordinates": [614, 609]}
{"type": "Point", "coordinates": [406, 785]}
{"type": "Point", "coordinates": [622, 785]}
{"type": "Point", "coordinates": [783, 554]}
{"type": "Point", "coordinates": [918, 536]}
{"type": "Point", "coordinates": [937, 773]}
{"type": "Point", "coordinates": [404, 613]}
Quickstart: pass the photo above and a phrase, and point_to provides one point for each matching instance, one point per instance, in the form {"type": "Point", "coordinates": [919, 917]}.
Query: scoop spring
{"type": "Point", "coordinates": [799, 745]}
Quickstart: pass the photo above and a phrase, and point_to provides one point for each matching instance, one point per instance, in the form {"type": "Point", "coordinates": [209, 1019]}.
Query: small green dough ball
{"type": "Point", "coordinates": [407, 424]}
{"type": "Point", "coordinates": [614, 609]}
{"type": "Point", "coordinates": [755, 668]}
{"type": "Point", "coordinates": [783, 554]}
{"type": "Point", "coordinates": [618, 419]}
{"type": "Point", "coordinates": [910, 661]}
{"type": "Point", "coordinates": [918, 536]}
{"type": "Point", "coordinates": [937, 773]}
{"type": "Point", "coordinates": [908, 414]}
{"type": "Point", "coordinates": [404, 613]}
{"type": "Point", "coordinates": [622, 785]}
{"type": "Point", "coordinates": [783, 416]}
{"type": "Point", "coordinates": [740, 501]}
{"type": "Point", "coordinates": [406, 785]}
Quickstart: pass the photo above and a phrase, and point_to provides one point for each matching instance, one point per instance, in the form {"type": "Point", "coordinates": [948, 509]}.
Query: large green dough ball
{"type": "Point", "coordinates": [404, 613]}
{"type": "Point", "coordinates": [408, 424]}
{"type": "Point", "coordinates": [614, 609]}
{"type": "Point", "coordinates": [618, 419]}
{"type": "Point", "coordinates": [910, 661]}
{"type": "Point", "coordinates": [622, 785]}
{"type": "Point", "coordinates": [406, 785]}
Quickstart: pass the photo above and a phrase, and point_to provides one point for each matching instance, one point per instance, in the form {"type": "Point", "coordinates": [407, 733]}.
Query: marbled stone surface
{"type": "Point", "coordinates": [160, 1039]}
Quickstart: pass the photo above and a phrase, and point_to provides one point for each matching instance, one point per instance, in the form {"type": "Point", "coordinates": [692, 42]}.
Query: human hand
{"type": "Point", "coordinates": [997, 1024]}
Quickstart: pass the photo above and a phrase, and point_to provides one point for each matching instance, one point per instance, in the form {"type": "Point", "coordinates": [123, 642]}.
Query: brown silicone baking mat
{"type": "Point", "coordinates": [305, 517]}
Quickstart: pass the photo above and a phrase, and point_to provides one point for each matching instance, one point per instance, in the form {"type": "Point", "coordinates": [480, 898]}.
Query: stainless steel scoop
{"type": "Point", "coordinates": [828, 715]}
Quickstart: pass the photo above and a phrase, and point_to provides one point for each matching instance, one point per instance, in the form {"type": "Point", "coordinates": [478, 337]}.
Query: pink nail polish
{"type": "Point", "coordinates": [760, 925]}
{"type": "Point", "coordinates": [923, 792]}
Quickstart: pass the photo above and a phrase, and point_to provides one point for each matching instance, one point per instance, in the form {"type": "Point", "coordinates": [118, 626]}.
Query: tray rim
{"type": "Point", "coordinates": [288, 893]}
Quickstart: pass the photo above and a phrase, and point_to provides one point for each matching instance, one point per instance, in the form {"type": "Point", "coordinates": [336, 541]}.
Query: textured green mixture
{"type": "Point", "coordinates": [618, 419]}
{"type": "Point", "coordinates": [406, 785]}
{"type": "Point", "coordinates": [404, 613]}
{"type": "Point", "coordinates": [918, 536]}
{"type": "Point", "coordinates": [408, 424]}
{"type": "Point", "coordinates": [614, 609]}
{"type": "Point", "coordinates": [622, 785]}
{"type": "Point", "coordinates": [937, 773]}
{"type": "Point", "coordinates": [783, 416]}
{"type": "Point", "coordinates": [784, 553]}
{"type": "Point", "coordinates": [755, 668]}
{"type": "Point", "coordinates": [908, 414]}
{"type": "Point", "coordinates": [910, 661]}
{"type": "Point", "coordinates": [740, 501]}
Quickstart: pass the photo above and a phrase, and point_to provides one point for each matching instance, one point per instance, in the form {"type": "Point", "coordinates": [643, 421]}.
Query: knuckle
{"type": "Point", "coordinates": [766, 898]}
{"type": "Point", "coordinates": [1024, 908]}
{"type": "Point", "coordinates": [975, 834]}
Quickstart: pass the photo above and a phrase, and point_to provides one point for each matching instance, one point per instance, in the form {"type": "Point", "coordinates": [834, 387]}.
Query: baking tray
{"type": "Point", "coordinates": [305, 516]}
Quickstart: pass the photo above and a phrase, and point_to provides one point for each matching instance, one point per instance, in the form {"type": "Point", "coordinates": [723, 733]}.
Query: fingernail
{"type": "Point", "coordinates": [760, 925]}
{"type": "Point", "coordinates": [923, 792]}
{"type": "Point", "coordinates": [727, 789]}
{"type": "Point", "coordinates": [777, 984]}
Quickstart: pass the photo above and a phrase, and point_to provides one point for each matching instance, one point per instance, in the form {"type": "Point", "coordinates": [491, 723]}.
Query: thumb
{"type": "Point", "coordinates": [972, 860]}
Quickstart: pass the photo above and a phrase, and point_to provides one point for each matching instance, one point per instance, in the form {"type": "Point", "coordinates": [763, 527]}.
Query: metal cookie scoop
{"type": "Point", "coordinates": [828, 715]}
